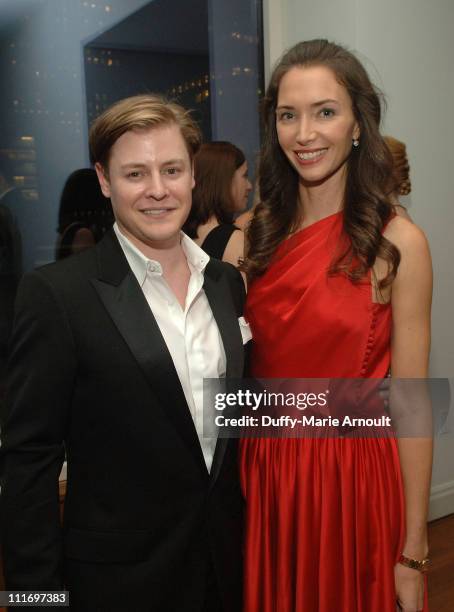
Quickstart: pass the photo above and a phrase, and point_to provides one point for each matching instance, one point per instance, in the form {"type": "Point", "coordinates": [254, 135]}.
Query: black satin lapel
{"type": "Point", "coordinates": [221, 303]}
{"type": "Point", "coordinates": [131, 314]}
{"type": "Point", "coordinates": [221, 447]}
{"type": "Point", "coordinates": [219, 297]}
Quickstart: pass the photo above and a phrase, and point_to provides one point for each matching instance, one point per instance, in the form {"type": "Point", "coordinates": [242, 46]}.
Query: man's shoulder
{"type": "Point", "coordinates": [218, 268]}
{"type": "Point", "coordinates": [70, 282]}
{"type": "Point", "coordinates": [72, 267]}
{"type": "Point", "coordinates": [66, 281]}
{"type": "Point", "coordinates": [222, 267]}
{"type": "Point", "coordinates": [83, 265]}
{"type": "Point", "coordinates": [224, 271]}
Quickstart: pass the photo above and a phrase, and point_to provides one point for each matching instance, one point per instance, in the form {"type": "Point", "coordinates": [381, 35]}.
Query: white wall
{"type": "Point", "coordinates": [274, 32]}
{"type": "Point", "coordinates": [415, 59]}
{"type": "Point", "coordinates": [408, 48]}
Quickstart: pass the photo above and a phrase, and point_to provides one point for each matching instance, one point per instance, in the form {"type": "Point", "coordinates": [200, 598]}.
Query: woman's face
{"type": "Point", "coordinates": [241, 187]}
{"type": "Point", "coordinates": [315, 123]}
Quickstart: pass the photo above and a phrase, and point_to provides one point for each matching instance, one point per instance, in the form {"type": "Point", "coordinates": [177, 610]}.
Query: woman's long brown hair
{"type": "Point", "coordinates": [366, 206]}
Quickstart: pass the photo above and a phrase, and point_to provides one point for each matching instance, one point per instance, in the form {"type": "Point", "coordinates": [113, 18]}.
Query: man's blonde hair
{"type": "Point", "coordinates": [139, 113]}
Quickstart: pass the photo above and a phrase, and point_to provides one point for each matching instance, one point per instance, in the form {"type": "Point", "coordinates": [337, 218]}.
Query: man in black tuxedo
{"type": "Point", "coordinates": [108, 355]}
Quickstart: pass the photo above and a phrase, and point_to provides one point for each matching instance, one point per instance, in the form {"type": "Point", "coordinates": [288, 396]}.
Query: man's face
{"type": "Point", "coordinates": [150, 180]}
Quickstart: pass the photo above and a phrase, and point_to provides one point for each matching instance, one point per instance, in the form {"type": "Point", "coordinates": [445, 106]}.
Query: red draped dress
{"type": "Point", "coordinates": [325, 516]}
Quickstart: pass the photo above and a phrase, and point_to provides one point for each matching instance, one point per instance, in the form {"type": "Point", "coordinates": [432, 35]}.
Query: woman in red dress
{"type": "Point", "coordinates": [341, 287]}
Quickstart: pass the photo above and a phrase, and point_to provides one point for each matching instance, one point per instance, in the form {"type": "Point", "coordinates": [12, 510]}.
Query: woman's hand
{"type": "Point", "coordinates": [409, 588]}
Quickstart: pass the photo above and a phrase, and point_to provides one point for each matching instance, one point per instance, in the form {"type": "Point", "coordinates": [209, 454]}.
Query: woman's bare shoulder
{"type": "Point", "coordinates": [405, 234]}
{"type": "Point", "coordinates": [234, 251]}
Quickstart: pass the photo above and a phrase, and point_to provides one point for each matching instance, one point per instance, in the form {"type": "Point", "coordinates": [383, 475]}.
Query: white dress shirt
{"type": "Point", "coordinates": [191, 334]}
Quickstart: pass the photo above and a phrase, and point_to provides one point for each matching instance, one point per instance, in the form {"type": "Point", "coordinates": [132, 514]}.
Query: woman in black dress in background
{"type": "Point", "coordinates": [221, 189]}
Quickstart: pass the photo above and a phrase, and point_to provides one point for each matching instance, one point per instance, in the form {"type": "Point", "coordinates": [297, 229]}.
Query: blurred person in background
{"type": "Point", "coordinates": [243, 220]}
{"type": "Point", "coordinates": [84, 214]}
{"type": "Point", "coordinates": [221, 190]}
{"type": "Point", "coordinates": [400, 183]}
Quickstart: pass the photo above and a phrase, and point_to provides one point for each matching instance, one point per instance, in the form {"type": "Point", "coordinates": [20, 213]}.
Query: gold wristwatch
{"type": "Point", "coordinates": [421, 566]}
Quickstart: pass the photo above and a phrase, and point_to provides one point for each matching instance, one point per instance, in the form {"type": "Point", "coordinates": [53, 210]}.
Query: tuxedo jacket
{"type": "Point", "coordinates": [91, 376]}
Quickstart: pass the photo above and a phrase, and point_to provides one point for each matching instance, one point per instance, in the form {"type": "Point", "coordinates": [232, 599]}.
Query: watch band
{"type": "Point", "coordinates": [421, 566]}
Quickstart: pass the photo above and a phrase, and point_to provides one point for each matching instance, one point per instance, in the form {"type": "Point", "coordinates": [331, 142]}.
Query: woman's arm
{"type": "Point", "coordinates": [411, 303]}
{"type": "Point", "coordinates": [234, 250]}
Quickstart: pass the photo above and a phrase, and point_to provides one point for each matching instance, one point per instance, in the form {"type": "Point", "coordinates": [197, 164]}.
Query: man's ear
{"type": "Point", "coordinates": [103, 180]}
